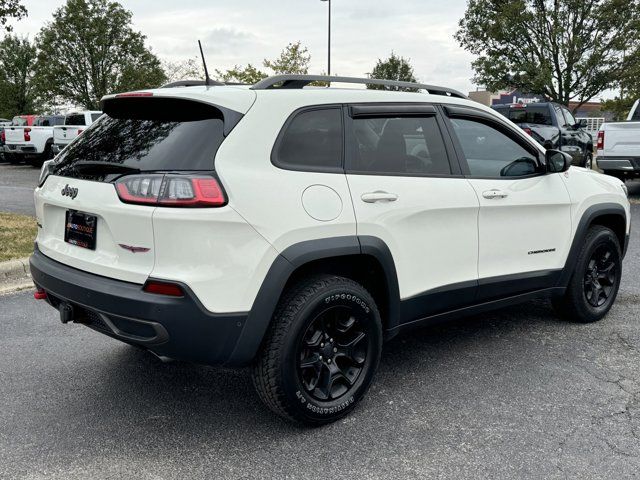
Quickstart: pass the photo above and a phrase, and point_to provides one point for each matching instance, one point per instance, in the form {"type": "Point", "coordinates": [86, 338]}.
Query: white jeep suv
{"type": "Point", "coordinates": [296, 229]}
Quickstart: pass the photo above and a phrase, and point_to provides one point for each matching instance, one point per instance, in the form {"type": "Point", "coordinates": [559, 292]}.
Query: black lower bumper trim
{"type": "Point", "coordinates": [179, 328]}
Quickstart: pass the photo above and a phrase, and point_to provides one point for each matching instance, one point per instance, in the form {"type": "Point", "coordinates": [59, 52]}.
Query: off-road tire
{"type": "Point", "coordinates": [278, 374]}
{"type": "Point", "coordinates": [578, 304]}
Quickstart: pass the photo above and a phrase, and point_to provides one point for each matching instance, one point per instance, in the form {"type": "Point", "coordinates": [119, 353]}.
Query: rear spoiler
{"type": "Point", "coordinates": [144, 106]}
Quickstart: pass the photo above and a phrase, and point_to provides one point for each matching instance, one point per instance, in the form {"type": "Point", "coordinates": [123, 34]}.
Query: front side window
{"type": "Point", "coordinates": [399, 146]}
{"type": "Point", "coordinates": [571, 121]}
{"type": "Point", "coordinates": [312, 140]}
{"type": "Point", "coordinates": [491, 153]}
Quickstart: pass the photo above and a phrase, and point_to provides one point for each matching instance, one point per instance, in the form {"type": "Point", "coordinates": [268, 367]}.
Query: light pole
{"type": "Point", "coordinates": [328, 40]}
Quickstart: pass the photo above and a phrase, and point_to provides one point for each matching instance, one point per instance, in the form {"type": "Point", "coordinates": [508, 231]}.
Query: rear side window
{"type": "Point", "coordinates": [146, 134]}
{"type": "Point", "coordinates": [76, 119]}
{"type": "Point", "coordinates": [399, 146]}
{"type": "Point", "coordinates": [312, 141]}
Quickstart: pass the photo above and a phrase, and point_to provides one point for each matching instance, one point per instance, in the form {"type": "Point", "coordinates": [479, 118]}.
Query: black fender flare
{"type": "Point", "coordinates": [287, 263]}
{"type": "Point", "coordinates": [588, 217]}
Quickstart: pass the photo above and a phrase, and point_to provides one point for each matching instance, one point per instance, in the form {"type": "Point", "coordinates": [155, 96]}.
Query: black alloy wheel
{"type": "Point", "coordinates": [601, 276]}
{"type": "Point", "coordinates": [333, 353]}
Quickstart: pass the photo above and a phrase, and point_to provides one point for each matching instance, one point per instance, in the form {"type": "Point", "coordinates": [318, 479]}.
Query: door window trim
{"type": "Point", "coordinates": [396, 110]}
{"type": "Point", "coordinates": [310, 108]}
{"type": "Point", "coordinates": [473, 114]}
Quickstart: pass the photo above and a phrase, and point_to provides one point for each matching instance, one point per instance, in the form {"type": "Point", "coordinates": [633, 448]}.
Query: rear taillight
{"type": "Point", "coordinates": [3, 137]}
{"type": "Point", "coordinates": [27, 134]}
{"type": "Point", "coordinates": [80, 131]}
{"type": "Point", "coordinates": [163, 288]}
{"type": "Point", "coordinates": [600, 144]}
{"type": "Point", "coordinates": [528, 131]}
{"type": "Point", "coordinates": [171, 190]}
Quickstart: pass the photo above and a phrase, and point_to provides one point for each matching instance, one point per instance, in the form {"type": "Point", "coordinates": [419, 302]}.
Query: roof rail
{"type": "Point", "coordinates": [190, 83]}
{"type": "Point", "coordinates": [301, 81]}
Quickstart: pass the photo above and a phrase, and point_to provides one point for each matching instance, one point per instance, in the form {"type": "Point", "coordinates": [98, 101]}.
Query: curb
{"type": "Point", "coordinates": [14, 275]}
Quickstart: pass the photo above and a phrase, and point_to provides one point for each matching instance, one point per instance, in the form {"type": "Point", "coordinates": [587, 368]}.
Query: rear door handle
{"type": "Point", "coordinates": [379, 196]}
{"type": "Point", "coordinates": [495, 193]}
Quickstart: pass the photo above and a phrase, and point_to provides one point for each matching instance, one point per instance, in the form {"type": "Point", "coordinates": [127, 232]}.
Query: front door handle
{"type": "Point", "coordinates": [379, 196]}
{"type": "Point", "coordinates": [495, 193]}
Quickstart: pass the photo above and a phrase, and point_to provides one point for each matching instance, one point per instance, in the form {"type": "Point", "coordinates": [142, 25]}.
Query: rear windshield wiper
{"type": "Point", "coordinates": [103, 167]}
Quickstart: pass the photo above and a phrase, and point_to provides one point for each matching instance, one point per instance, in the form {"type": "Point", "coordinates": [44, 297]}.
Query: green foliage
{"type": "Point", "coordinates": [17, 95]}
{"type": "Point", "coordinates": [293, 59]}
{"type": "Point", "coordinates": [393, 68]}
{"type": "Point", "coordinates": [239, 74]}
{"type": "Point", "coordinates": [90, 50]}
{"type": "Point", "coordinates": [569, 50]}
{"type": "Point", "coordinates": [620, 107]}
{"type": "Point", "coordinates": [11, 9]}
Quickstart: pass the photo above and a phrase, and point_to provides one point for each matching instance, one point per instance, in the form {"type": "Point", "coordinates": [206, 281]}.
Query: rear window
{"type": "Point", "coordinates": [74, 119]}
{"type": "Point", "coordinates": [49, 121]}
{"type": "Point", "coordinates": [145, 134]}
{"type": "Point", "coordinates": [540, 115]}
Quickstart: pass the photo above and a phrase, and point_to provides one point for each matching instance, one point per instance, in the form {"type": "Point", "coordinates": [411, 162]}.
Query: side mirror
{"type": "Point", "coordinates": [557, 161]}
{"type": "Point", "coordinates": [581, 124]}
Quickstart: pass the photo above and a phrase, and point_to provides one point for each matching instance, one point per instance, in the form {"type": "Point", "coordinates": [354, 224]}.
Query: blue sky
{"type": "Point", "coordinates": [246, 31]}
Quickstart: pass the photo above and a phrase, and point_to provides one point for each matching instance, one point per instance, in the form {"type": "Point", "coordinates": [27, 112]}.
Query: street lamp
{"type": "Point", "coordinates": [328, 40]}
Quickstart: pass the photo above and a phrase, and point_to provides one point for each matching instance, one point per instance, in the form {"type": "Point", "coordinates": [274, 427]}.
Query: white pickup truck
{"type": "Point", "coordinates": [34, 143]}
{"type": "Point", "coordinates": [619, 146]}
{"type": "Point", "coordinates": [74, 124]}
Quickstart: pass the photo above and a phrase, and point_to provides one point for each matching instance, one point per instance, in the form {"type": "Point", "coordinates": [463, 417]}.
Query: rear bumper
{"type": "Point", "coordinates": [24, 148]}
{"type": "Point", "coordinates": [179, 328]}
{"type": "Point", "coordinates": [619, 164]}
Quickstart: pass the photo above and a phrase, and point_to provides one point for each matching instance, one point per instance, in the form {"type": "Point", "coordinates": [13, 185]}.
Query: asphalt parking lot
{"type": "Point", "coordinates": [511, 394]}
{"type": "Point", "coordinates": [16, 188]}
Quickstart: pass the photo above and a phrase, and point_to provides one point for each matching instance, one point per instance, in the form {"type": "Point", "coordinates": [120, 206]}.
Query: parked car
{"type": "Point", "coordinates": [32, 143]}
{"type": "Point", "coordinates": [618, 146]}
{"type": "Point", "coordinates": [295, 230]}
{"type": "Point", "coordinates": [19, 120]}
{"type": "Point", "coordinates": [74, 124]}
{"type": "Point", "coordinates": [554, 127]}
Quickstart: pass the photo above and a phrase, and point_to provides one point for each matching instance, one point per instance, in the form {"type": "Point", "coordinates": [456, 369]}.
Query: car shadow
{"type": "Point", "coordinates": [143, 394]}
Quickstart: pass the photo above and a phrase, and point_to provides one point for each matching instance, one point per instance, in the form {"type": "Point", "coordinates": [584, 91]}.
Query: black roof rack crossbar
{"type": "Point", "coordinates": [301, 81]}
{"type": "Point", "coordinates": [190, 83]}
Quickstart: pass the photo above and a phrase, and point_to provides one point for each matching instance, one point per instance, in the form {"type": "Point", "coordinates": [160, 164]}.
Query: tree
{"type": "Point", "coordinates": [293, 59]}
{"type": "Point", "coordinates": [393, 68]}
{"type": "Point", "coordinates": [568, 50]}
{"type": "Point", "coordinates": [17, 95]}
{"type": "Point", "coordinates": [239, 74]}
{"type": "Point", "coordinates": [11, 9]}
{"type": "Point", "coordinates": [189, 69]}
{"type": "Point", "coordinates": [90, 50]}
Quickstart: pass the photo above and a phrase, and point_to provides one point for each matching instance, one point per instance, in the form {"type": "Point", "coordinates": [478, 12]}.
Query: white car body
{"type": "Point", "coordinates": [441, 231]}
{"type": "Point", "coordinates": [74, 124]}
{"type": "Point", "coordinates": [619, 146]}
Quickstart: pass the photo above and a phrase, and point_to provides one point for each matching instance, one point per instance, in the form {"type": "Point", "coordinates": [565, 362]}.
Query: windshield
{"type": "Point", "coordinates": [160, 135]}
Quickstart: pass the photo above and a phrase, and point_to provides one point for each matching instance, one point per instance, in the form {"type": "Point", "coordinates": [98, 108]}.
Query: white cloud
{"type": "Point", "coordinates": [247, 31]}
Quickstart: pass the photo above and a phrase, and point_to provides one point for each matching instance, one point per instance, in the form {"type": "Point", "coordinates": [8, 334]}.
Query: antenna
{"type": "Point", "coordinates": [207, 79]}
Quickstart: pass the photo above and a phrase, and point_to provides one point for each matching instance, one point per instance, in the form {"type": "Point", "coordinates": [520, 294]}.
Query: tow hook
{"type": "Point", "coordinates": [66, 312]}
